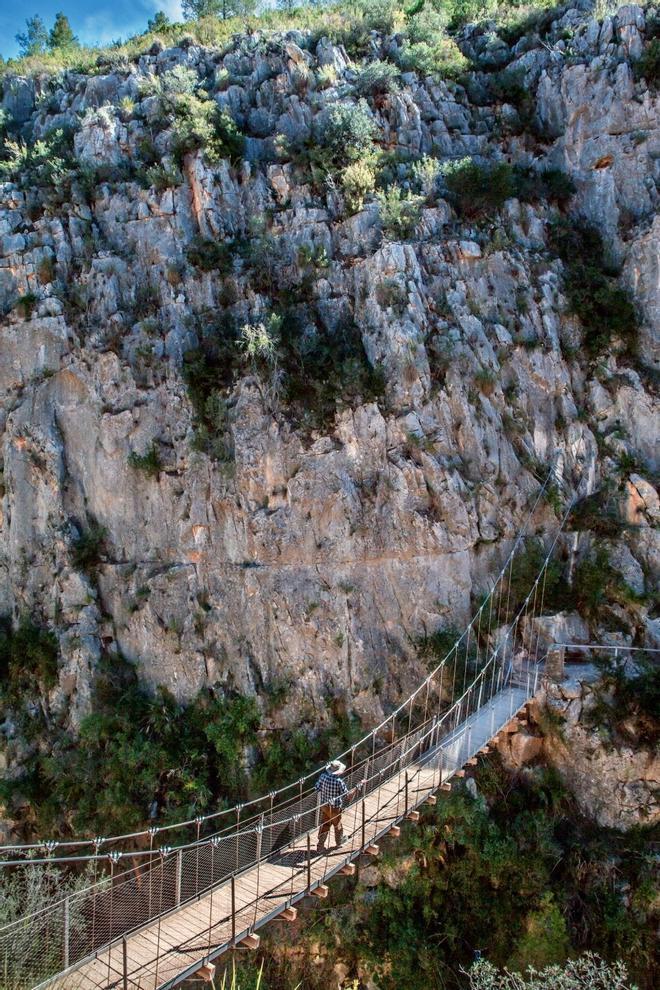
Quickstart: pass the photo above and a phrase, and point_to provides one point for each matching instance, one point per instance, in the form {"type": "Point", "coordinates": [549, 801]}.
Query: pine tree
{"type": "Point", "coordinates": [34, 39]}
{"type": "Point", "coordinates": [193, 9]}
{"type": "Point", "coordinates": [158, 22]}
{"type": "Point", "coordinates": [61, 35]}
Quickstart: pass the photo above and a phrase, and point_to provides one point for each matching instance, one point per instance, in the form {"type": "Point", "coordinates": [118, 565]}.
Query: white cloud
{"type": "Point", "coordinates": [170, 7]}
{"type": "Point", "coordinates": [100, 28]}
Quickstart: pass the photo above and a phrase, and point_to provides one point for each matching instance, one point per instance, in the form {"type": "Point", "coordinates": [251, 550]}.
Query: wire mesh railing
{"type": "Point", "coordinates": [76, 928]}
{"type": "Point", "coordinates": [487, 675]}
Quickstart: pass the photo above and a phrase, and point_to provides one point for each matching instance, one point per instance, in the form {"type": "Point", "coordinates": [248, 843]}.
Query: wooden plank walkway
{"type": "Point", "coordinates": [163, 953]}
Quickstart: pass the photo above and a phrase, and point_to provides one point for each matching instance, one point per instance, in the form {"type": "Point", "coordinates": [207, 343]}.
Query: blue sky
{"type": "Point", "coordinates": [94, 21]}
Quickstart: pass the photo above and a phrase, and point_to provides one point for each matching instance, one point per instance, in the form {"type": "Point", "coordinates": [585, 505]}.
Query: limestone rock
{"type": "Point", "coordinates": [312, 554]}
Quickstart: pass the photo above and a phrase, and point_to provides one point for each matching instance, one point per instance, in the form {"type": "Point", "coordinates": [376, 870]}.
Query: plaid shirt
{"type": "Point", "coordinates": [332, 789]}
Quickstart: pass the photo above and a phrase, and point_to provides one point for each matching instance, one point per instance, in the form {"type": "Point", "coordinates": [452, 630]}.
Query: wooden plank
{"type": "Point", "coordinates": [288, 914]}
{"type": "Point", "coordinates": [206, 972]}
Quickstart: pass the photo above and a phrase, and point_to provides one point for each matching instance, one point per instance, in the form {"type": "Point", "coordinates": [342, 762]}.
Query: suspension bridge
{"type": "Point", "coordinates": [164, 902]}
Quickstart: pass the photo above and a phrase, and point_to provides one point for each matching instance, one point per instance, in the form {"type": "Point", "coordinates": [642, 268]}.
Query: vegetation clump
{"type": "Point", "coordinates": [28, 660]}
{"type": "Point", "coordinates": [588, 972]}
{"type": "Point", "coordinates": [400, 212]}
{"type": "Point", "coordinates": [158, 759]}
{"type": "Point", "coordinates": [594, 296]}
{"type": "Point", "coordinates": [477, 189]}
{"type": "Point", "coordinates": [149, 462]}
{"type": "Point", "coordinates": [358, 180]}
{"type": "Point", "coordinates": [440, 56]}
{"type": "Point", "coordinates": [209, 256]}
{"type": "Point", "coordinates": [648, 66]}
{"type": "Point", "coordinates": [195, 120]}
{"type": "Point", "coordinates": [87, 548]}
{"type": "Point", "coordinates": [47, 162]}
{"type": "Point", "coordinates": [377, 79]}
{"type": "Point", "coordinates": [346, 132]}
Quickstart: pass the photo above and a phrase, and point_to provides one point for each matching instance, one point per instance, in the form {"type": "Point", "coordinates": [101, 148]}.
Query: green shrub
{"type": "Point", "coordinates": [148, 462]}
{"type": "Point", "coordinates": [425, 174]}
{"type": "Point", "coordinates": [545, 941]}
{"type": "Point", "coordinates": [442, 57]}
{"type": "Point", "coordinates": [585, 973]}
{"type": "Point", "coordinates": [633, 698]}
{"type": "Point", "coordinates": [88, 547]}
{"type": "Point", "coordinates": [648, 66]}
{"type": "Point", "coordinates": [197, 122]}
{"type": "Point", "coordinates": [526, 565]}
{"type": "Point", "coordinates": [147, 750]}
{"type": "Point", "coordinates": [346, 132]}
{"type": "Point", "coordinates": [27, 304]}
{"type": "Point", "coordinates": [598, 513]}
{"type": "Point", "coordinates": [161, 178]}
{"type": "Point", "coordinates": [593, 295]}
{"type": "Point", "coordinates": [28, 659]}
{"type": "Point", "coordinates": [208, 371]}
{"type": "Point", "coordinates": [485, 380]}
{"type": "Point", "coordinates": [400, 212]}
{"type": "Point", "coordinates": [201, 124]}
{"type": "Point", "coordinates": [47, 162]}
{"type": "Point", "coordinates": [377, 79]}
{"type": "Point", "coordinates": [325, 370]}
{"type": "Point", "coordinates": [260, 341]}
{"type": "Point", "coordinates": [548, 183]}
{"type": "Point", "coordinates": [210, 255]}
{"type": "Point", "coordinates": [157, 759]}
{"type": "Point", "coordinates": [478, 189]}
{"type": "Point", "coordinates": [358, 180]}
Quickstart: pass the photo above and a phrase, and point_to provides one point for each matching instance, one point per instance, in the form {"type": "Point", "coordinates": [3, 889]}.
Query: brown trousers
{"type": "Point", "coordinates": [330, 817]}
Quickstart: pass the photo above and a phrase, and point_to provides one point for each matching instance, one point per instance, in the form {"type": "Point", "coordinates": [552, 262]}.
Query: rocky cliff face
{"type": "Point", "coordinates": [313, 556]}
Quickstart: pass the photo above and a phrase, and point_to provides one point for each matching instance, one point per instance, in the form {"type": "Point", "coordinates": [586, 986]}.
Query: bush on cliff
{"type": "Point", "coordinates": [346, 132]}
{"type": "Point", "coordinates": [28, 660]}
{"type": "Point", "coordinates": [603, 307]}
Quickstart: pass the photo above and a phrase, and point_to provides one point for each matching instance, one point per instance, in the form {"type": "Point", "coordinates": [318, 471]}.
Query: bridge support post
{"type": "Point", "coordinates": [124, 963]}
{"type": "Point", "coordinates": [554, 664]}
{"type": "Point", "coordinates": [309, 864]}
{"type": "Point", "coordinates": [177, 879]}
{"type": "Point", "coordinates": [67, 932]}
{"type": "Point", "coordinates": [233, 910]}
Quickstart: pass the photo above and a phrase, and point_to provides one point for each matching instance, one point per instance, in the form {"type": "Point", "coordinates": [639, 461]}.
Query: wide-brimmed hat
{"type": "Point", "coordinates": [336, 767]}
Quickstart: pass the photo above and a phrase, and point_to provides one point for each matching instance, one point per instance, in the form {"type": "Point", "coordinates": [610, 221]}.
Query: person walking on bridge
{"type": "Point", "coordinates": [333, 794]}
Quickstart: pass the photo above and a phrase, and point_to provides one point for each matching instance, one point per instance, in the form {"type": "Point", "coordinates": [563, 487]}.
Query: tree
{"type": "Point", "coordinates": [193, 9]}
{"type": "Point", "coordinates": [61, 35]}
{"type": "Point", "coordinates": [158, 22]}
{"type": "Point", "coordinates": [34, 39]}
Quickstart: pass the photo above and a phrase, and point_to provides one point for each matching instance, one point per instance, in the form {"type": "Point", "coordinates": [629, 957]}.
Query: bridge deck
{"type": "Point", "coordinates": [163, 953]}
